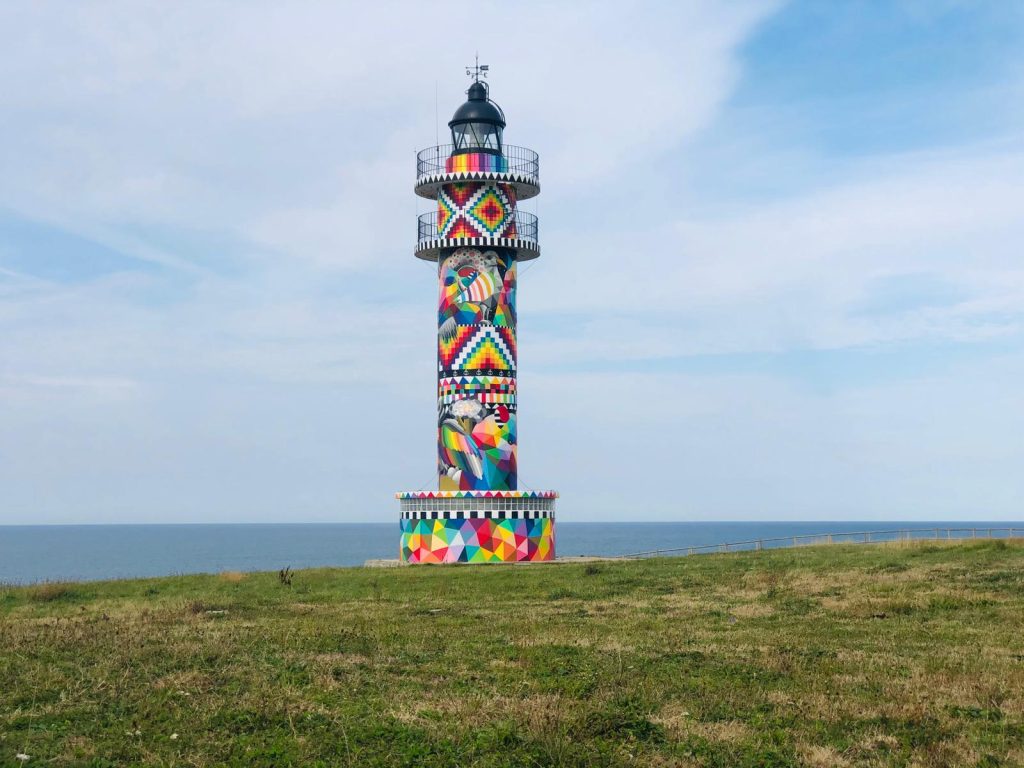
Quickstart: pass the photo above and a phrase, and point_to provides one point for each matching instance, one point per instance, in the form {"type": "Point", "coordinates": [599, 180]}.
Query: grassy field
{"type": "Point", "coordinates": [909, 655]}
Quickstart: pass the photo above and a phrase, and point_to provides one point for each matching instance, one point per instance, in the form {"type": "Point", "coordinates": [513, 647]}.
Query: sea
{"type": "Point", "coordinates": [38, 553]}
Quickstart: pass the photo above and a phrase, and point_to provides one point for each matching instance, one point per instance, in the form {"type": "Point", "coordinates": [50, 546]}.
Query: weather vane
{"type": "Point", "coordinates": [478, 70]}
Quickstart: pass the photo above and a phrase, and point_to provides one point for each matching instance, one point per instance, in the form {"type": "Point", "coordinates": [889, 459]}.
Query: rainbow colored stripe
{"type": "Point", "coordinates": [474, 162]}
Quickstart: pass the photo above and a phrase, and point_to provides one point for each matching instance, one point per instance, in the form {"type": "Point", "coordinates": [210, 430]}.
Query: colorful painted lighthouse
{"type": "Point", "coordinates": [478, 237]}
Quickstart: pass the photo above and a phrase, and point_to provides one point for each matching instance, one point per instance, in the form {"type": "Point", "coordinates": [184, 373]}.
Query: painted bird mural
{"type": "Point", "coordinates": [477, 449]}
{"type": "Point", "coordinates": [470, 286]}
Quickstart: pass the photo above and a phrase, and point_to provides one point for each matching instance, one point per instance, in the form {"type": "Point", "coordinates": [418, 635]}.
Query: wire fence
{"type": "Point", "coordinates": [846, 537]}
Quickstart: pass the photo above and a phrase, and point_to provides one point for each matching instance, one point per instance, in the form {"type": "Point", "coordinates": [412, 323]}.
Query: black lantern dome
{"type": "Point", "coordinates": [477, 124]}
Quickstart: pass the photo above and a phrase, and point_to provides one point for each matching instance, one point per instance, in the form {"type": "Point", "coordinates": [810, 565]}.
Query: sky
{"type": "Point", "coordinates": [782, 271]}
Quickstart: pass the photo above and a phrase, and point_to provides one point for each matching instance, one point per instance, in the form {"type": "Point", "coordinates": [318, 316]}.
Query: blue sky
{"type": "Point", "coordinates": [782, 274]}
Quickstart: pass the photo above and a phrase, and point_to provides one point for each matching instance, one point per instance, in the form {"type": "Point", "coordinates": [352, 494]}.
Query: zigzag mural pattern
{"type": "Point", "coordinates": [448, 348]}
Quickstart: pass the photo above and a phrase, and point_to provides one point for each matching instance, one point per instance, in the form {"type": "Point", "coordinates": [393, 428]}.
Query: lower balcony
{"type": "Point", "coordinates": [518, 231]}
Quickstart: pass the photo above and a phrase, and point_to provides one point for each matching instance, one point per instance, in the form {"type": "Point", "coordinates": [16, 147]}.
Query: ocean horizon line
{"type": "Point", "coordinates": [99, 551]}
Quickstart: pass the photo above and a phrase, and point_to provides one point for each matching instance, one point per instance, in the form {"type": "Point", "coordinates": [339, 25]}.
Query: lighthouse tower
{"type": "Point", "coordinates": [477, 237]}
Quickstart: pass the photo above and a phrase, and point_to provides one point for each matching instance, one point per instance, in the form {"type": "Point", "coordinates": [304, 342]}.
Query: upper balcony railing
{"type": "Point", "coordinates": [518, 161]}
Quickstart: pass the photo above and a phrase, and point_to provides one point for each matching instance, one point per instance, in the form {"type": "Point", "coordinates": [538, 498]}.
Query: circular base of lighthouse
{"type": "Point", "coordinates": [477, 526]}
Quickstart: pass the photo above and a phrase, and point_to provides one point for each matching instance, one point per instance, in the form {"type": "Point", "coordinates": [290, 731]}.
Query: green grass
{"type": "Point", "coordinates": [899, 655]}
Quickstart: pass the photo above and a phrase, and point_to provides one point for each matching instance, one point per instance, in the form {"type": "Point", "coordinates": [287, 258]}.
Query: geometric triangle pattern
{"type": "Point", "coordinates": [507, 335]}
{"type": "Point", "coordinates": [468, 540]}
{"type": "Point", "coordinates": [488, 348]}
{"type": "Point", "coordinates": [458, 227]}
{"type": "Point", "coordinates": [448, 348]}
{"type": "Point", "coordinates": [459, 195]}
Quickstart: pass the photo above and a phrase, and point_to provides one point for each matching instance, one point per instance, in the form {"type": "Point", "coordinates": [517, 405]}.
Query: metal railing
{"type": "Point", "coordinates": [526, 227]}
{"type": "Point", "coordinates": [520, 160]}
{"type": "Point", "coordinates": [845, 537]}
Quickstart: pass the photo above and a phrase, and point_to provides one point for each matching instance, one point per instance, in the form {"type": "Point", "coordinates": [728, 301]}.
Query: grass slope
{"type": "Point", "coordinates": [827, 656]}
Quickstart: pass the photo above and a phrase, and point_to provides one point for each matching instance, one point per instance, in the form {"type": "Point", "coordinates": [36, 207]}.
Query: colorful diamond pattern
{"type": "Point", "coordinates": [489, 212]}
{"type": "Point", "coordinates": [476, 209]}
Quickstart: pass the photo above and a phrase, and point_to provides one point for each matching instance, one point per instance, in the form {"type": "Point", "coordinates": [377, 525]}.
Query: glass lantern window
{"type": "Point", "coordinates": [477, 136]}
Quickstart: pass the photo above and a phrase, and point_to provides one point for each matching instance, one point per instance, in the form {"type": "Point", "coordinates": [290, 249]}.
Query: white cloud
{"type": "Point", "coordinates": [794, 273]}
{"type": "Point", "coordinates": [253, 121]}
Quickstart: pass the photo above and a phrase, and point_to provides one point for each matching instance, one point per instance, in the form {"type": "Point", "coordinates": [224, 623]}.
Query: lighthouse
{"type": "Point", "coordinates": [477, 237]}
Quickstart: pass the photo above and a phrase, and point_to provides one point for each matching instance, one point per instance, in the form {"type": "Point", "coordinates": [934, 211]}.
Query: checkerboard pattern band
{"type": "Point", "coordinates": [481, 514]}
